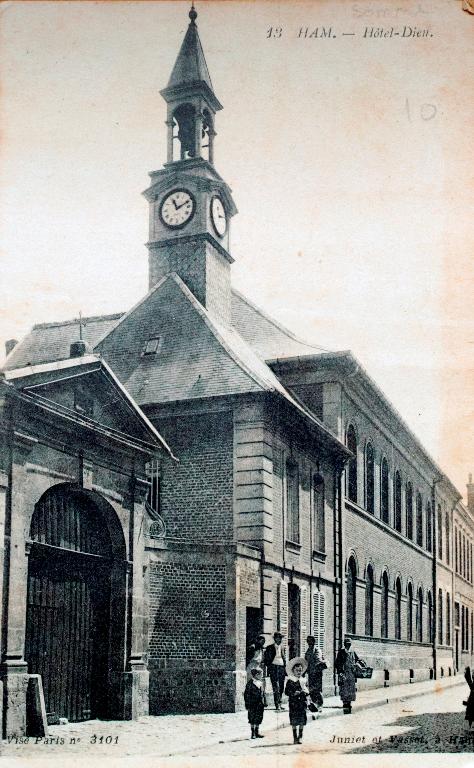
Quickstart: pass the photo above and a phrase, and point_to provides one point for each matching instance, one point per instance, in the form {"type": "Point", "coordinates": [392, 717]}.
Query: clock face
{"type": "Point", "coordinates": [219, 219]}
{"type": "Point", "coordinates": [177, 208]}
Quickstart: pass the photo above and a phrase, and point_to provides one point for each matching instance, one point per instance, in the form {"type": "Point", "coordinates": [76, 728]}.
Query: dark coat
{"type": "Point", "coordinates": [269, 655]}
{"type": "Point", "coordinates": [254, 698]}
{"type": "Point", "coordinates": [470, 702]}
{"type": "Point", "coordinates": [296, 701]}
{"type": "Point", "coordinates": [346, 668]}
{"type": "Point", "coordinates": [315, 671]}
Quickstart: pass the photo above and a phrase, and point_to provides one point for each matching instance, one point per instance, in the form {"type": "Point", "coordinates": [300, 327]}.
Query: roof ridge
{"type": "Point", "coordinates": [75, 321]}
{"type": "Point", "coordinates": [219, 334]}
{"type": "Point", "coordinates": [276, 323]}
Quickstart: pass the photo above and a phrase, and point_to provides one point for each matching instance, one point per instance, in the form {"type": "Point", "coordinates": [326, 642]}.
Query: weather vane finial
{"type": "Point", "coordinates": [192, 13]}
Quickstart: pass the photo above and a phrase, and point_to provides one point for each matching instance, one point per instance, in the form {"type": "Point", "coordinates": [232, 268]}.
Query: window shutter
{"type": "Point", "coordinates": [303, 616]}
{"type": "Point", "coordinates": [318, 620]}
{"type": "Point", "coordinates": [283, 606]}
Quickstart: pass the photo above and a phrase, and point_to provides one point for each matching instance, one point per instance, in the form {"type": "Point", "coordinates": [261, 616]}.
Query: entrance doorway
{"type": "Point", "coordinates": [293, 620]}
{"type": "Point", "coordinates": [253, 628]}
{"type": "Point", "coordinates": [68, 620]}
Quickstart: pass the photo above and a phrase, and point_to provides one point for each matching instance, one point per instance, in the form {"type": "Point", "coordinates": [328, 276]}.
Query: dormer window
{"type": "Point", "coordinates": [153, 345]}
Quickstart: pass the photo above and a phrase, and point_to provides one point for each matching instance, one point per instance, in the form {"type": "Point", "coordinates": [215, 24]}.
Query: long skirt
{"type": "Point", "coordinates": [347, 686]}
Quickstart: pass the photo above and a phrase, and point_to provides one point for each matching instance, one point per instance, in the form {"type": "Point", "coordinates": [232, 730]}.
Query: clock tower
{"type": "Point", "coordinates": [190, 204]}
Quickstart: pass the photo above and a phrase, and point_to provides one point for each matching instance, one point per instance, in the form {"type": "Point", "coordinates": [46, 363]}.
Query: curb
{"type": "Point", "coordinates": [334, 711]}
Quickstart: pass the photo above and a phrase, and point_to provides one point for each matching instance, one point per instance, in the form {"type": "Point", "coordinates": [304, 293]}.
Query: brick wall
{"type": "Point", "coordinates": [191, 604]}
{"type": "Point", "coordinates": [187, 609]}
{"type": "Point", "coordinates": [204, 270]}
{"type": "Point", "coordinates": [197, 492]}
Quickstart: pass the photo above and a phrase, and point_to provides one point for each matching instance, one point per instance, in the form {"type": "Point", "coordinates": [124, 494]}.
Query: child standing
{"type": "Point", "coordinates": [298, 694]}
{"type": "Point", "coordinates": [254, 697]}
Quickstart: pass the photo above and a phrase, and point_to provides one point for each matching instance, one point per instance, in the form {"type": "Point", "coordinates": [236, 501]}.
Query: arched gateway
{"type": "Point", "coordinates": [72, 635]}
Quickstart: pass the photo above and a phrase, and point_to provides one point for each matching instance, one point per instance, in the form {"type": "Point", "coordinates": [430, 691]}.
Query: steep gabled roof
{"type": "Point", "coordinates": [190, 66]}
{"type": "Point", "coordinates": [198, 358]}
{"type": "Point", "coordinates": [47, 342]}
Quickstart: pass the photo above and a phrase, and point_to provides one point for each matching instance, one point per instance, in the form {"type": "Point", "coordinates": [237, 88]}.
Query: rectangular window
{"type": "Point", "coordinates": [283, 607]}
{"type": "Point", "coordinates": [318, 514]}
{"type": "Point", "coordinates": [292, 502]}
{"type": "Point", "coordinates": [318, 626]}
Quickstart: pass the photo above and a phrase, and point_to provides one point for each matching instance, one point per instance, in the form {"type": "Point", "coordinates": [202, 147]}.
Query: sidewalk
{"type": "Point", "coordinates": [167, 735]}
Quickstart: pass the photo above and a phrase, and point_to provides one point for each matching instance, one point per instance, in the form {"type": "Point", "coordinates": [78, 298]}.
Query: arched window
{"type": "Point", "coordinates": [398, 609]}
{"type": "Point", "coordinates": [440, 533]}
{"type": "Point", "coordinates": [207, 135]}
{"type": "Point", "coordinates": [184, 132]}
{"type": "Point", "coordinates": [351, 596]}
{"type": "Point", "coordinates": [369, 479]}
{"type": "Point", "coordinates": [448, 539]}
{"type": "Point", "coordinates": [384, 510]}
{"type": "Point", "coordinates": [430, 617]}
{"type": "Point", "coordinates": [352, 466]}
{"type": "Point", "coordinates": [384, 606]}
{"type": "Point", "coordinates": [398, 502]}
{"type": "Point", "coordinates": [419, 520]}
{"type": "Point", "coordinates": [318, 513]}
{"type": "Point", "coordinates": [448, 618]}
{"type": "Point", "coordinates": [410, 611]}
{"type": "Point", "coordinates": [440, 617]}
{"type": "Point", "coordinates": [369, 602]}
{"type": "Point", "coordinates": [419, 617]}
{"type": "Point", "coordinates": [409, 511]}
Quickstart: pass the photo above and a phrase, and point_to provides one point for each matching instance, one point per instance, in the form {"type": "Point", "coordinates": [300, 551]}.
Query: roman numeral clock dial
{"type": "Point", "coordinates": [177, 208]}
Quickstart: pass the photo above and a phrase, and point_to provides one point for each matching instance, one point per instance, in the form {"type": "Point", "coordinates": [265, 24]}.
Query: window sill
{"type": "Point", "coordinates": [293, 546]}
{"type": "Point", "coordinates": [319, 556]}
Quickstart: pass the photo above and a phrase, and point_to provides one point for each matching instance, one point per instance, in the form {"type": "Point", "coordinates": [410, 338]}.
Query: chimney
{"type": "Point", "coordinates": [78, 348]}
{"type": "Point", "coordinates": [9, 345]}
{"type": "Point", "coordinates": [470, 495]}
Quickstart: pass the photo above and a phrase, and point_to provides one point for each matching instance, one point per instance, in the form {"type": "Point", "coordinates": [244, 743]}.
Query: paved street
{"type": "Point", "coordinates": [432, 722]}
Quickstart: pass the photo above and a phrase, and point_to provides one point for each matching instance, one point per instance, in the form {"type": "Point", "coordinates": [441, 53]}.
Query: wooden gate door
{"type": "Point", "coordinates": [68, 607]}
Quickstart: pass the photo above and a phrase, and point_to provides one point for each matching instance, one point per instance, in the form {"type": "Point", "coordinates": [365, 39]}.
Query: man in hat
{"type": "Point", "coordinates": [316, 667]}
{"type": "Point", "coordinates": [346, 661]}
{"type": "Point", "coordinates": [275, 661]}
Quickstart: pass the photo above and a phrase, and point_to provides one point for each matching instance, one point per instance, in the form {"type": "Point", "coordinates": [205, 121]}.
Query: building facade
{"type": "Point", "coordinates": [300, 500]}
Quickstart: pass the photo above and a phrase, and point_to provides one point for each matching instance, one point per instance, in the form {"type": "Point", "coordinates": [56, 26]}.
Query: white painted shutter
{"type": "Point", "coordinates": [283, 607]}
{"type": "Point", "coordinates": [318, 619]}
{"type": "Point", "coordinates": [303, 617]}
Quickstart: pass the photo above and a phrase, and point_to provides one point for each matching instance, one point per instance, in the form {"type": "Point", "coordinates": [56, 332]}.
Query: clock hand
{"type": "Point", "coordinates": [181, 205]}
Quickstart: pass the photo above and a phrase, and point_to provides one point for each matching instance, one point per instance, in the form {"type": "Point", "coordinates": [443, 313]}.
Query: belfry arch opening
{"type": "Point", "coordinates": [75, 613]}
{"type": "Point", "coordinates": [184, 132]}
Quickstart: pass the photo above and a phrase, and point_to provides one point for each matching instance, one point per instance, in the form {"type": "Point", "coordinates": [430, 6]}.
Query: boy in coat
{"type": "Point", "coordinates": [254, 697]}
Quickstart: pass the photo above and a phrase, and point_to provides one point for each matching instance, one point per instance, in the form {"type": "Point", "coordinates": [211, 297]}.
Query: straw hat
{"type": "Point", "coordinates": [293, 662]}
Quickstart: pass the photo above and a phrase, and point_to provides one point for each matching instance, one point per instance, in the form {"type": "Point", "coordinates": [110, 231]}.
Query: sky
{"type": "Point", "coordinates": [350, 157]}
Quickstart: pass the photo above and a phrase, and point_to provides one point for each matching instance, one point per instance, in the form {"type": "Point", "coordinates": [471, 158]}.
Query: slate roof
{"type": "Point", "coordinates": [266, 336]}
{"type": "Point", "coordinates": [47, 342]}
{"type": "Point", "coordinates": [198, 358]}
{"type": "Point", "coordinates": [190, 66]}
